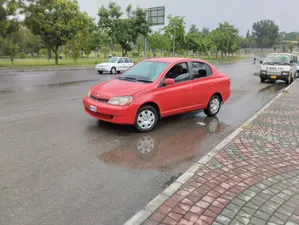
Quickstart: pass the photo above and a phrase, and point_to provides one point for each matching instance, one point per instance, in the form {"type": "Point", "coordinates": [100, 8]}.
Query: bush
{"type": "Point", "coordinates": [135, 54]}
{"type": "Point", "coordinates": [23, 55]}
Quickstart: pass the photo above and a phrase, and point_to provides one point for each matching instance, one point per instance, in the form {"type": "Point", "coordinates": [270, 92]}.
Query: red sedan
{"type": "Point", "coordinates": [156, 88]}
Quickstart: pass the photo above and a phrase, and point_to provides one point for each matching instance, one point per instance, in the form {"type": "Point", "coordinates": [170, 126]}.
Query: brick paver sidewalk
{"type": "Point", "coordinates": [254, 179]}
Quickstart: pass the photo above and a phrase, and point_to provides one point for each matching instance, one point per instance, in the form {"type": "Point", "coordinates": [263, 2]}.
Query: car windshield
{"type": "Point", "coordinates": [112, 60]}
{"type": "Point", "coordinates": [277, 59]}
{"type": "Point", "coordinates": [144, 72]}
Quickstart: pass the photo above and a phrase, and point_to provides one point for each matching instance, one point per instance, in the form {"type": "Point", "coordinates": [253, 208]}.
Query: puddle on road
{"type": "Point", "coordinates": [175, 141]}
{"type": "Point", "coordinates": [64, 84]}
{"type": "Point", "coordinates": [273, 88]}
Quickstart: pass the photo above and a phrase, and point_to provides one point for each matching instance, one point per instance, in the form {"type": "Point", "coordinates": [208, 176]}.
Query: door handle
{"type": "Point", "coordinates": [211, 86]}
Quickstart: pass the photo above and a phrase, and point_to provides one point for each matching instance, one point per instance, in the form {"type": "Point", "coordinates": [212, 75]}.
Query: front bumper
{"type": "Point", "coordinates": [274, 77]}
{"type": "Point", "coordinates": [103, 69]}
{"type": "Point", "coordinates": [111, 113]}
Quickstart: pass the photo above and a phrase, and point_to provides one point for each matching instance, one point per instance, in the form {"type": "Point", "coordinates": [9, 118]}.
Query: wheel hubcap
{"type": "Point", "coordinates": [215, 105]}
{"type": "Point", "coordinates": [145, 145]}
{"type": "Point", "coordinates": [146, 119]}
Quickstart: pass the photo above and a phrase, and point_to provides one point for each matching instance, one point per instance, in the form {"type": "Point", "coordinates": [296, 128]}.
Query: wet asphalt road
{"type": "Point", "coordinates": [60, 166]}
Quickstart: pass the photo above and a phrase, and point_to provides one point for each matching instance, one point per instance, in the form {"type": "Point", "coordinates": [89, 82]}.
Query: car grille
{"type": "Point", "coordinates": [98, 99]}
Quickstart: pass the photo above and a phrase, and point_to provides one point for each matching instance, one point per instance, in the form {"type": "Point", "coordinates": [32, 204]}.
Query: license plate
{"type": "Point", "coordinates": [273, 77]}
{"type": "Point", "coordinates": [93, 108]}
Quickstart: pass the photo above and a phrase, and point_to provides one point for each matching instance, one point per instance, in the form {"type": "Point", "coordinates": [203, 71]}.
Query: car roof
{"type": "Point", "coordinates": [172, 59]}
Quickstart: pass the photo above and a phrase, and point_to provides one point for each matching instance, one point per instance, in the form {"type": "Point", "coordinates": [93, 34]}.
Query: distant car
{"type": "Point", "coordinates": [279, 66]}
{"type": "Point", "coordinates": [114, 65]}
{"type": "Point", "coordinates": [157, 88]}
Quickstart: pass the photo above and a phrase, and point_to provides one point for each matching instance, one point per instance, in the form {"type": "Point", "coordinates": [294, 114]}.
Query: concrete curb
{"type": "Point", "coordinates": [153, 205]}
{"type": "Point", "coordinates": [45, 69]}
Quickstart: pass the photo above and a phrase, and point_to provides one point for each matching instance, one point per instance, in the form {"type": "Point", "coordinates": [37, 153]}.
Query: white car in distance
{"type": "Point", "coordinates": [114, 65]}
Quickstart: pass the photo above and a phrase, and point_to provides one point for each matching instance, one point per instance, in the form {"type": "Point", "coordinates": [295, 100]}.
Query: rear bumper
{"type": "Point", "coordinates": [277, 77]}
{"type": "Point", "coordinates": [111, 113]}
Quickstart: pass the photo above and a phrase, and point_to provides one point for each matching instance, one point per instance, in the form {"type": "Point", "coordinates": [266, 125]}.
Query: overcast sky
{"type": "Point", "coordinates": [240, 13]}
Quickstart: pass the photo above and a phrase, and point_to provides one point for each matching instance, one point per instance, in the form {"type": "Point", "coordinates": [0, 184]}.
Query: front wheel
{"type": "Point", "coordinates": [263, 80]}
{"type": "Point", "coordinates": [113, 70]}
{"type": "Point", "coordinates": [100, 72]}
{"type": "Point", "coordinates": [289, 80]}
{"type": "Point", "coordinates": [146, 119]}
{"type": "Point", "coordinates": [213, 106]}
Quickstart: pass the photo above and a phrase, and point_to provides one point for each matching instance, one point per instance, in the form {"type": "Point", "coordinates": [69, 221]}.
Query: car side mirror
{"type": "Point", "coordinates": [261, 62]}
{"type": "Point", "coordinates": [291, 61]}
{"type": "Point", "coordinates": [169, 81]}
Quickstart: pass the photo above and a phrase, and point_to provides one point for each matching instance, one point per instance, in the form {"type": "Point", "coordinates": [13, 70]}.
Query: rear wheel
{"type": "Point", "coordinates": [146, 118]}
{"type": "Point", "coordinates": [100, 72]}
{"type": "Point", "coordinates": [213, 106]}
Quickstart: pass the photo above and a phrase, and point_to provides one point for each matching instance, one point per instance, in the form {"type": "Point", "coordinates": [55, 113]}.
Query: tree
{"type": "Point", "coordinates": [297, 39]}
{"type": "Point", "coordinates": [123, 31]}
{"type": "Point", "coordinates": [205, 31]}
{"type": "Point", "coordinates": [225, 37]}
{"type": "Point", "coordinates": [291, 46]}
{"type": "Point", "coordinates": [56, 22]}
{"type": "Point", "coordinates": [8, 21]}
{"type": "Point", "coordinates": [193, 40]}
{"type": "Point", "coordinates": [175, 30]}
{"type": "Point", "coordinates": [265, 30]}
{"type": "Point", "coordinates": [8, 28]}
{"type": "Point", "coordinates": [10, 48]}
{"type": "Point", "coordinates": [158, 41]}
{"type": "Point", "coordinates": [290, 36]}
{"type": "Point", "coordinates": [194, 30]}
{"type": "Point", "coordinates": [99, 40]}
{"type": "Point", "coordinates": [28, 42]}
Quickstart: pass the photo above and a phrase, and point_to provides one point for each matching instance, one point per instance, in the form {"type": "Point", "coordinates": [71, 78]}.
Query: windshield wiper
{"type": "Point", "coordinates": [144, 81]}
{"type": "Point", "coordinates": [127, 78]}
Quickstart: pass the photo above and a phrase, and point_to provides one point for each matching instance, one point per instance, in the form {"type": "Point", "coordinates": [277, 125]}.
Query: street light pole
{"type": "Point", "coordinates": [173, 47]}
{"type": "Point", "coordinates": [145, 39]}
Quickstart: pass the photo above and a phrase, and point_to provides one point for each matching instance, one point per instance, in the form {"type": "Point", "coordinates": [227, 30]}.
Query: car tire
{"type": "Point", "coordinates": [214, 106]}
{"type": "Point", "coordinates": [263, 80]}
{"type": "Point", "coordinates": [100, 72]}
{"type": "Point", "coordinates": [289, 80]}
{"type": "Point", "coordinates": [146, 118]}
{"type": "Point", "coordinates": [113, 70]}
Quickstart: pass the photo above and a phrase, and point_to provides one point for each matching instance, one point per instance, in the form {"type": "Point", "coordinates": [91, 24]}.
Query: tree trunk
{"type": "Point", "coordinates": [55, 50]}
{"type": "Point", "coordinates": [124, 52]}
{"type": "Point", "coordinates": [49, 53]}
{"type": "Point", "coordinates": [11, 59]}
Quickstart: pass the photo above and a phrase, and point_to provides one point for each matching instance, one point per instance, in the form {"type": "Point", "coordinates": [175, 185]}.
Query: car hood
{"type": "Point", "coordinates": [104, 64]}
{"type": "Point", "coordinates": [116, 87]}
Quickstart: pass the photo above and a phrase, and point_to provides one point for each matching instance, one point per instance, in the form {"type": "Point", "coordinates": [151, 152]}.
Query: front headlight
{"type": "Point", "coordinates": [263, 72]}
{"type": "Point", "coordinates": [121, 100]}
{"type": "Point", "coordinates": [89, 92]}
{"type": "Point", "coordinates": [285, 73]}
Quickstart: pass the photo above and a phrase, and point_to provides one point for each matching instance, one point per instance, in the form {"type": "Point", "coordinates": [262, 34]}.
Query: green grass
{"type": "Point", "coordinates": [83, 62]}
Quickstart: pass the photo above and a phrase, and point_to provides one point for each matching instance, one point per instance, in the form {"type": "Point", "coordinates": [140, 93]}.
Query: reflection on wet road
{"type": "Point", "coordinates": [165, 148]}
{"type": "Point", "coordinates": [60, 166]}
